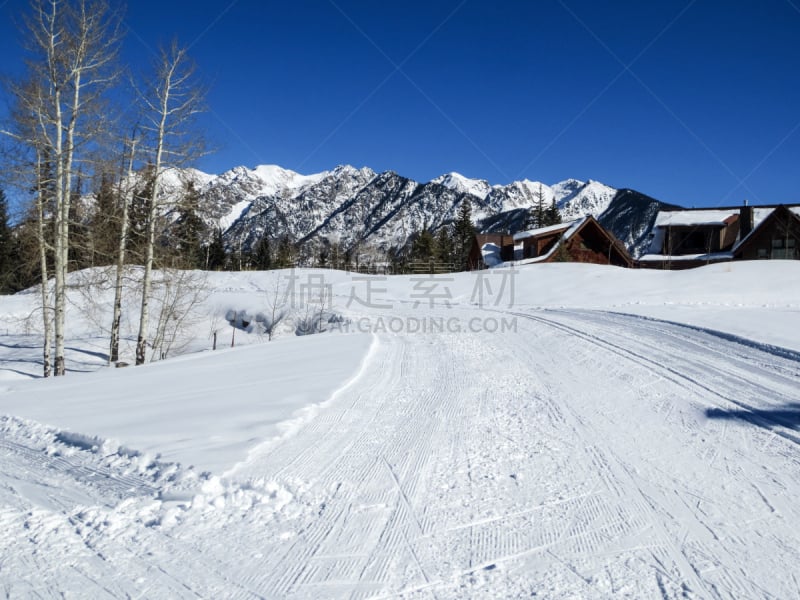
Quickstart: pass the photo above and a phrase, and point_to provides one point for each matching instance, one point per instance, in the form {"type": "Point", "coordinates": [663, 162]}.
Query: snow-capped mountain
{"type": "Point", "coordinates": [479, 188]}
{"type": "Point", "coordinates": [359, 206]}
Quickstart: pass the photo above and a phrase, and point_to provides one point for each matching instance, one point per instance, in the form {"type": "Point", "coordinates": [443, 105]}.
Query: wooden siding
{"type": "Point", "coordinates": [592, 244]}
{"type": "Point", "coordinates": [777, 237]}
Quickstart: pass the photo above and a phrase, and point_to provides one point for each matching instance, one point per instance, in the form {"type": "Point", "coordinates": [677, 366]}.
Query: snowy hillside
{"type": "Point", "coordinates": [560, 431]}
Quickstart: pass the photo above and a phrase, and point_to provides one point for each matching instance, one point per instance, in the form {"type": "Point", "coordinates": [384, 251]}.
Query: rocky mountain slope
{"type": "Point", "coordinates": [630, 217]}
{"type": "Point", "coordinates": [352, 206]}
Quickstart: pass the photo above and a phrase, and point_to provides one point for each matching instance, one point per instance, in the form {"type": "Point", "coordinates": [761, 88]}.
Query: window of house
{"type": "Point", "coordinates": [688, 242]}
{"type": "Point", "coordinates": [783, 248]}
{"type": "Point", "coordinates": [763, 253]}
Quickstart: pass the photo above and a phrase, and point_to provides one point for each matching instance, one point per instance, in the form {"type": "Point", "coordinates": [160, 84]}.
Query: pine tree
{"type": "Point", "coordinates": [398, 262]}
{"type": "Point", "coordinates": [215, 253]}
{"type": "Point", "coordinates": [137, 216]}
{"type": "Point", "coordinates": [284, 257]}
{"type": "Point", "coordinates": [189, 231]}
{"type": "Point", "coordinates": [80, 251]}
{"type": "Point", "coordinates": [531, 219]}
{"type": "Point", "coordinates": [262, 258]}
{"type": "Point", "coordinates": [463, 234]}
{"type": "Point", "coordinates": [105, 226]}
{"type": "Point", "coordinates": [552, 216]}
{"type": "Point", "coordinates": [423, 248]}
{"type": "Point", "coordinates": [444, 246]}
{"type": "Point", "coordinates": [540, 211]}
{"type": "Point", "coordinates": [24, 270]}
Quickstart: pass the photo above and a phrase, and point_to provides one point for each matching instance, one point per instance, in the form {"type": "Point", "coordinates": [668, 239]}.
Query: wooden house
{"type": "Point", "coordinates": [584, 241]}
{"type": "Point", "coordinates": [776, 237]}
{"type": "Point", "coordinates": [692, 238]}
{"type": "Point", "coordinates": [685, 239]}
{"type": "Point", "coordinates": [541, 241]}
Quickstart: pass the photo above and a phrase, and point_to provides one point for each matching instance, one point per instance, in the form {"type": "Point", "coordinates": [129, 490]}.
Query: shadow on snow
{"type": "Point", "coordinates": [787, 415]}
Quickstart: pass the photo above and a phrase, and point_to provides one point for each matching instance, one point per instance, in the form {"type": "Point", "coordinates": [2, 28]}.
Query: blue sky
{"type": "Point", "coordinates": [695, 103]}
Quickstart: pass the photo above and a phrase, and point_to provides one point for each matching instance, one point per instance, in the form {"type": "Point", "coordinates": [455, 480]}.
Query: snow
{"type": "Point", "coordinates": [276, 179]}
{"type": "Point", "coordinates": [693, 217]}
{"type": "Point", "coordinates": [634, 434]}
{"type": "Point", "coordinates": [574, 198]}
{"type": "Point", "coordinates": [192, 426]}
{"type": "Point", "coordinates": [491, 254]}
{"type": "Point", "coordinates": [688, 218]}
{"type": "Point", "coordinates": [708, 256]}
{"type": "Point", "coordinates": [237, 210]}
{"type": "Point", "coordinates": [542, 231]}
{"type": "Point", "coordinates": [465, 185]}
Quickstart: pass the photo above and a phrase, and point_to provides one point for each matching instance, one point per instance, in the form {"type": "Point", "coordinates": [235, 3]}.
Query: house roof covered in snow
{"type": "Point", "coordinates": [544, 230]}
{"type": "Point", "coordinates": [689, 218]}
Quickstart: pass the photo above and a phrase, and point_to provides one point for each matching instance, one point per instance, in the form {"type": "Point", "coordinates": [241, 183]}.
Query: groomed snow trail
{"type": "Point", "coordinates": [585, 454]}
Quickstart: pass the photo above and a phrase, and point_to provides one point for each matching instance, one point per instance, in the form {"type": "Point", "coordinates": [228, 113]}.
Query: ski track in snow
{"type": "Point", "coordinates": [587, 454]}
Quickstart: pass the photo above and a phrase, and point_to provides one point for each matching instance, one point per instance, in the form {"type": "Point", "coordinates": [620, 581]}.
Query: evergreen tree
{"type": "Point", "coordinates": [262, 258]}
{"type": "Point", "coordinates": [284, 257]}
{"type": "Point", "coordinates": [531, 219]}
{"type": "Point", "coordinates": [423, 248]}
{"type": "Point", "coordinates": [215, 253]}
{"type": "Point", "coordinates": [323, 256]}
{"type": "Point", "coordinates": [7, 244]}
{"type": "Point", "coordinates": [80, 247]}
{"type": "Point", "coordinates": [444, 246]}
{"type": "Point", "coordinates": [105, 226]}
{"type": "Point", "coordinates": [552, 216]}
{"type": "Point", "coordinates": [24, 268]}
{"type": "Point", "coordinates": [189, 231]}
{"type": "Point", "coordinates": [463, 234]}
{"type": "Point", "coordinates": [137, 216]}
{"type": "Point", "coordinates": [397, 260]}
{"type": "Point", "coordinates": [540, 211]}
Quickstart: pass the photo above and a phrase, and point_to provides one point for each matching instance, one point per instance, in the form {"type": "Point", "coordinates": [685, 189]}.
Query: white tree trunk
{"type": "Point", "coordinates": [165, 87]}
{"type": "Point", "coordinates": [61, 246]}
{"type": "Point", "coordinates": [47, 321]}
{"type": "Point", "coordinates": [113, 355]}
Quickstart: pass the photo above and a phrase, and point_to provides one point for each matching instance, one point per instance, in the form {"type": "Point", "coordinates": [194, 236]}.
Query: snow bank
{"type": "Point", "coordinates": [204, 410]}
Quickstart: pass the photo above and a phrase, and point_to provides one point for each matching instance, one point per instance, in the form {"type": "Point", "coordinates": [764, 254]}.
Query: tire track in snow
{"type": "Point", "coordinates": [731, 574]}
{"type": "Point", "coordinates": [677, 376]}
{"type": "Point", "coordinates": [351, 460]}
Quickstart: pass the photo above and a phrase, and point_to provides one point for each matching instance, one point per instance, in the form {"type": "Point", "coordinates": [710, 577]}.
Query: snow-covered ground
{"type": "Point", "coordinates": [558, 431]}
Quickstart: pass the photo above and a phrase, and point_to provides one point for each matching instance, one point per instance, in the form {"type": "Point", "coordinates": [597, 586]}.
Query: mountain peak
{"type": "Point", "coordinates": [351, 171]}
{"type": "Point", "coordinates": [464, 185]}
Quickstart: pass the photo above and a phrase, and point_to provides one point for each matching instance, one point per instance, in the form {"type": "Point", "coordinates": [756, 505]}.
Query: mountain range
{"type": "Point", "coordinates": [360, 207]}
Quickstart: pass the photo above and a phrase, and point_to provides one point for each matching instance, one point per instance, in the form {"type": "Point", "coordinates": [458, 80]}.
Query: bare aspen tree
{"type": "Point", "coordinates": [170, 104]}
{"type": "Point", "coordinates": [47, 317]}
{"type": "Point", "coordinates": [72, 48]}
{"type": "Point", "coordinates": [123, 192]}
{"type": "Point", "coordinates": [31, 168]}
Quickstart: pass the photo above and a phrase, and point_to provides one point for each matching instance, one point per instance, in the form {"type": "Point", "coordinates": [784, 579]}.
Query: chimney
{"type": "Point", "coordinates": [746, 218]}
